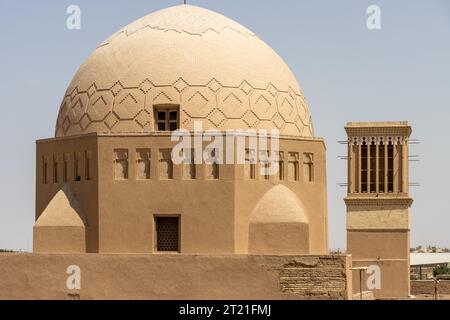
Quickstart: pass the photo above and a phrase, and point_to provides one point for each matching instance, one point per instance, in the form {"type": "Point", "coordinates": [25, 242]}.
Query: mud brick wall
{"type": "Point", "coordinates": [315, 277]}
{"type": "Point", "coordinates": [426, 287]}
{"type": "Point", "coordinates": [196, 277]}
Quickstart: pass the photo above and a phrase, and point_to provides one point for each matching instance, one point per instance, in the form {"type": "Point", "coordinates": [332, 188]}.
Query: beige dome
{"type": "Point", "coordinates": [218, 71]}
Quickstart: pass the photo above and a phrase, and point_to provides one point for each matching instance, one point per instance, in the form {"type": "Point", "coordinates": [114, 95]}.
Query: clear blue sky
{"type": "Point", "coordinates": [348, 73]}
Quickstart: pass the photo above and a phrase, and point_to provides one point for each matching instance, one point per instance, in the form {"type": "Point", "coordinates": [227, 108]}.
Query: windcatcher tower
{"type": "Point", "coordinates": [378, 205]}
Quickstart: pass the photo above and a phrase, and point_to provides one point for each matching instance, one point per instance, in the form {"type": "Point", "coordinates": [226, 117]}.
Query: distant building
{"type": "Point", "coordinates": [422, 264]}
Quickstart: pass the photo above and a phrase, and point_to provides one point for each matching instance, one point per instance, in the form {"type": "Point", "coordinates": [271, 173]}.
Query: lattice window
{"type": "Point", "coordinates": [167, 234]}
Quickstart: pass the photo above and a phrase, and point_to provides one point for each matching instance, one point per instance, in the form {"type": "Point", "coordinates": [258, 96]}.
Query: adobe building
{"type": "Point", "coordinates": [378, 205]}
{"type": "Point", "coordinates": [111, 201]}
{"type": "Point", "coordinates": [112, 146]}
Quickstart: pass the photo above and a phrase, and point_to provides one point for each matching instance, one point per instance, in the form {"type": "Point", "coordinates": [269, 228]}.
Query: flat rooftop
{"type": "Point", "coordinates": [378, 124]}
{"type": "Point", "coordinates": [394, 128]}
{"type": "Point", "coordinates": [420, 259]}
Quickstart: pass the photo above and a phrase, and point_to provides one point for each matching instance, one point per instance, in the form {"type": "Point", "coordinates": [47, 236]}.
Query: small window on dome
{"type": "Point", "coordinates": [167, 118]}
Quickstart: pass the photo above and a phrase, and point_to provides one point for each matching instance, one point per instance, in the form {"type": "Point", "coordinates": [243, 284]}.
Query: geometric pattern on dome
{"type": "Point", "coordinates": [129, 109]}
{"type": "Point", "coordinates": [191, 23]}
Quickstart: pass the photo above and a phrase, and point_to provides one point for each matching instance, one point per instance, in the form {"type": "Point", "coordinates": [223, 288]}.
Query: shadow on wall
{"type": "Point", "coordinates": [61, 226]}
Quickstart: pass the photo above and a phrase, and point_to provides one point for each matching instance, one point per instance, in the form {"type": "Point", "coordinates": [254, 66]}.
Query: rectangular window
{"type": "Point", "coordinates": [77, 166]}
{"type": "Point", "coordinates": [55, 169]}
{"type": "Point", "coordinates": [293, 166]}
{"type": "Point", "coordinates": [308, 167]}
{"type": "Point", "coordinates": [120, 164]}
{"type": "Point", "coordinates": [390, 170]}
{"type": "Point", "coordinates": [173, 120]}
{"type": "Point", "coordinates": [281, 166]}
{"type": "Point", "coordinates": [161, 120]}
{"type": "Point", "coordinates": [356, 171]}
{"type": "Point", "coordinates": [165, 164]}
{"type": "Point", "coordinates": [399, 174]}
{"type": "Point", "coordinates": [66, 158]}
{"type": "Point", "coordinates": [189, 167]}
{"type": "Point", "coordinates": [212, 166]}
{"type": "Point", "coordinates": [167, 234]}
{"type": "Point", "coordinates": [250, 165]}
{"type": "Point", "coordinates": [364, 168]}
{"type": "Point", "coordinates": [143, 162]}
{"type": "Point", "coordinates": [45, 170]}
{"type": "Point", "coordinates": [373, 167]}
{"type": "Point", "coordinates": [214, 171]}
{"type": "Point", "coordinates": [87, 165]}
{"type": "Point", "coordinates": [167, 119]}
{"type": "Point", "coordinates": [265, 163]}
{"type": "Point", "coordinates": [381, 167]}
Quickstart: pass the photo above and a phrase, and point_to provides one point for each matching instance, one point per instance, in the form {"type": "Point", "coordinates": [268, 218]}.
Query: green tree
{"type": "Point", "coordinates": [441, 269]}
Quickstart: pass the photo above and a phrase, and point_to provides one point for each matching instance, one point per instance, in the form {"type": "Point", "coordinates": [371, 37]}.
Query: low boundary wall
{"type": "Point", "coordinates": [122, 276]}
{"type": "Point", "coordinates": [427, 287]}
